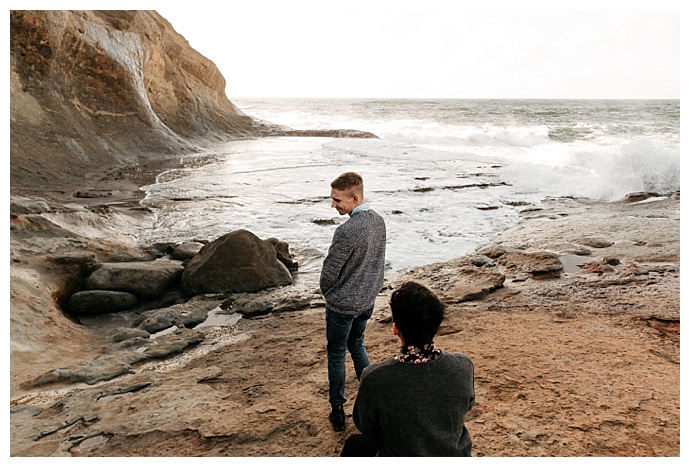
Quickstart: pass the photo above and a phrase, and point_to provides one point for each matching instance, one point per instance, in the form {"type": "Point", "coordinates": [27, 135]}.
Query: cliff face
{"type": "Point", "coordinates": [91, 90]}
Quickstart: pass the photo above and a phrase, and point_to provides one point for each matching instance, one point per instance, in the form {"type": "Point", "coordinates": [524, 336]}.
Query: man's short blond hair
{"type": "Point", "coordinates": [348, 181]}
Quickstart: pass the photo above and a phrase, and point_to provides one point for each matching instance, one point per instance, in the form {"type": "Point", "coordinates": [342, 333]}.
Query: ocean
{"type": "Point", "coordinates": [447, 175]}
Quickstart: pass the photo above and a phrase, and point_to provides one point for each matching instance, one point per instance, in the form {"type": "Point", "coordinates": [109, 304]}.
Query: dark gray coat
{"type": "Point", "coordinates": [417, 409]}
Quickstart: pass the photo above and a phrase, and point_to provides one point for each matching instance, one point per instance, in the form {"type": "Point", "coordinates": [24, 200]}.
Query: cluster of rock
{"type": "Point", "coordinates": [237, 262]}
{"type": "Point", "coordinates": [167, 299]}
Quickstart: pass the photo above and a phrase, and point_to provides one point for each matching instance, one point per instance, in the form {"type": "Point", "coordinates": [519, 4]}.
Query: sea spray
{"type": "Point", "coordinates": [447, 175]}
{"type": "Point", "coordinates": [599, 172]}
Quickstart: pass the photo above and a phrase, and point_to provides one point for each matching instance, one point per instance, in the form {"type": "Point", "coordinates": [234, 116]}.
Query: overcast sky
{"type": "Point", "coordinates": [435, 48]}
{"type": "Point", "coordinates": [429, 48]}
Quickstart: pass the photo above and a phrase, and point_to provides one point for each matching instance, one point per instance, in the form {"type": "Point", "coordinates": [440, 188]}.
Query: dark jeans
{"type": "Point", "coordinates": [344, 333]}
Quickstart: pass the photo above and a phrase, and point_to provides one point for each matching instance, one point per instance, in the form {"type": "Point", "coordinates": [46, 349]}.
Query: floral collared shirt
{"type": "Point", "coordinates": [412, 354]}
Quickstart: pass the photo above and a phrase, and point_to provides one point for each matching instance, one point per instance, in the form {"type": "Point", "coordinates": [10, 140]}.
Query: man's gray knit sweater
{"type": "Point", "coordinates": [352, 274]}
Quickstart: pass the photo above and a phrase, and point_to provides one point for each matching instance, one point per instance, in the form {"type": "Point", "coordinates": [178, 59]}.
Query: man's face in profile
{"type": "Point", "coordinates": [344, 201]}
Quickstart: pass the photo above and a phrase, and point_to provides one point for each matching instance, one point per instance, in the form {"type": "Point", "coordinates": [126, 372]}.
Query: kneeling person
{"type": "Point", "coordinates": [415, 403]}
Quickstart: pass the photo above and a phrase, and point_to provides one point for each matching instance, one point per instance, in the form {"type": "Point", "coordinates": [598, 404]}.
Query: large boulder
{"type": "Point", "coordinates": [236, 262]}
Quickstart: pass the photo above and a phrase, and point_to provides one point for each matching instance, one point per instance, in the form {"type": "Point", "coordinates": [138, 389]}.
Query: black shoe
{"type": "Point", "coordinates": [337, 418]}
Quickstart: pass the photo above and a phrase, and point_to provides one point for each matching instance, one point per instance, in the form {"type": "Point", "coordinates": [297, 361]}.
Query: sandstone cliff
{"type": "Point", "coordinates": [92, 90]}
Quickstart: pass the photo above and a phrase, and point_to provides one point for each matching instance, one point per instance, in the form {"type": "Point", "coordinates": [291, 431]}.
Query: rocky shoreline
{"type": "Point", "coordinates": [572, 318]}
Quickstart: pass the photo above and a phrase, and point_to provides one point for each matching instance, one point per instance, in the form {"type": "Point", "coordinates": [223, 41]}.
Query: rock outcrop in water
{"type": "Point", "coordinates": [91, 90]}
{"type": "Point", "coordinates": [97, 89]}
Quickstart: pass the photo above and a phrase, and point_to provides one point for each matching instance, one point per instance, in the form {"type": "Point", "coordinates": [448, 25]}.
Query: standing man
{"type": "Point", "coordinates": [351, 278]}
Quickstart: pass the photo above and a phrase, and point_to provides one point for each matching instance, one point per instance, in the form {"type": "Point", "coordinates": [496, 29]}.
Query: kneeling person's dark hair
{"type": "Point", "coordinates": [417, 313]}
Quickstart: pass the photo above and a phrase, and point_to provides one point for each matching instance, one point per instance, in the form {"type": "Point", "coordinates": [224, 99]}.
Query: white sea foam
{"type": "Point", "coordinates": [598, 172]}
{"type": "Point", "coordinates": [444, 174]}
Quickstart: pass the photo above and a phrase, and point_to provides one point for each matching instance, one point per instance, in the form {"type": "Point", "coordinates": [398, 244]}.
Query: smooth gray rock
{"type": "Point", "coordinates": [186, 250]}
{"type": "Point", "coordinates": [93, 302]}
{"type": "Point", "coordinates": [236, 262]}
{"type": "Point", "coordinates": [145, 279]}
{"type": "Point", "coordinates": [184, 315]}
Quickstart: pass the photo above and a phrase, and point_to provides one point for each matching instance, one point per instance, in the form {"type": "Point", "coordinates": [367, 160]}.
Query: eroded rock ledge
{"type": "Point", "coordinates": [549, 327]}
